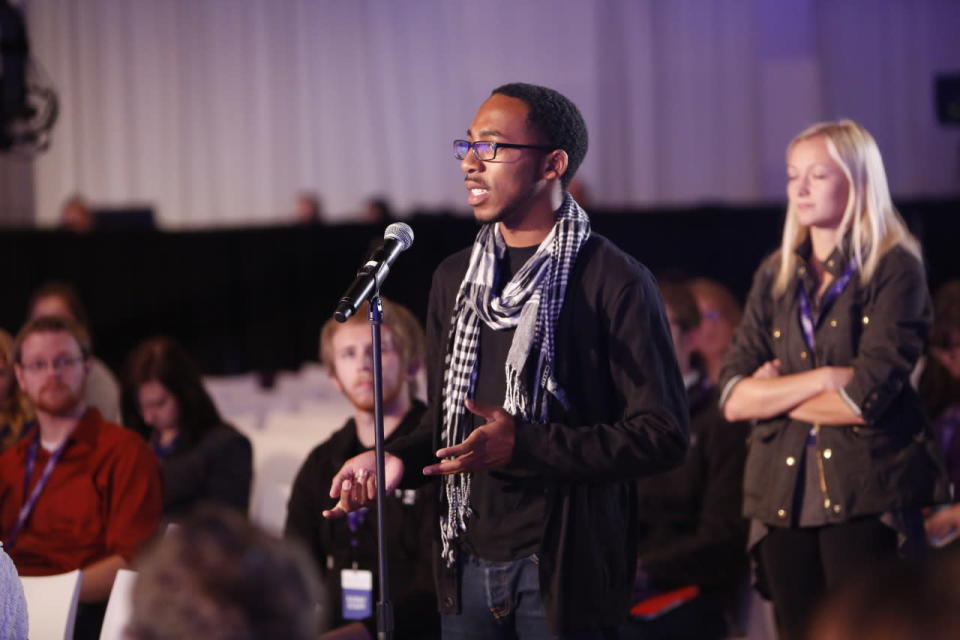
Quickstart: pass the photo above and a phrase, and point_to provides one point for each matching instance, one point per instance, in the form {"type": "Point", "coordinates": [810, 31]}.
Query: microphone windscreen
{"type": "Point", "coordinates": [401, 232]}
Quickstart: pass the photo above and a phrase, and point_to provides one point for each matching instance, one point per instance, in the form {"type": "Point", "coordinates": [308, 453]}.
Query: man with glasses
{"type": "Point", "coordinates": [76, 492]}
{"type": "Point", "coordinates": [552, 384]}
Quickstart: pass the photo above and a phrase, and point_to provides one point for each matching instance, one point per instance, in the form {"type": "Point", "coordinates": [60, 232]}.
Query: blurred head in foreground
{"type": "Point", "coordinates": [217, 577]}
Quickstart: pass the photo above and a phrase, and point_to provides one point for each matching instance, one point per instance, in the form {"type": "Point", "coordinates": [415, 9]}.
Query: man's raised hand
{"type": "Point", "coordinates": [356, 483]}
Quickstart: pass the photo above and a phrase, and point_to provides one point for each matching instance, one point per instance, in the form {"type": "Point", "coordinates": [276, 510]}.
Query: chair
{"type": "Point", "coordinates": [118, 607]}
{"type": "Point", "coordinates": [52, 604]}
{"type": "Point", "coordinates": [268, 506]}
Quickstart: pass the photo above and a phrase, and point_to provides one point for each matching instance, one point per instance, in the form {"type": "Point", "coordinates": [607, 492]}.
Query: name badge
{"type": "Point", "coordinates": [357, 588]}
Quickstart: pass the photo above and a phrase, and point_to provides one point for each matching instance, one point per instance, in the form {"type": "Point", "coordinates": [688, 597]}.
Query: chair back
{"type": "Point", "coordinates": [52, 604]}
{"type": "Point", "coordinates": [118, 607]}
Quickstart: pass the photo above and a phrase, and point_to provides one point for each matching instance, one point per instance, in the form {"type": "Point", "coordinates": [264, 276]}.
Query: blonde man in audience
{"type": "Point", "coordinates": [77, 491]}
{"type": "Point", "coordinates": [348, 547]}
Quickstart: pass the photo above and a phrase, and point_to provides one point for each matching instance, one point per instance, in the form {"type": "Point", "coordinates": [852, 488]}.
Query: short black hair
{"type": "Point", "coordinates": [555, 118]}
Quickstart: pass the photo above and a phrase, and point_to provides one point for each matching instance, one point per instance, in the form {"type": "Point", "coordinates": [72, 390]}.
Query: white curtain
{"type": "Point", "coordinates": [218, 111]}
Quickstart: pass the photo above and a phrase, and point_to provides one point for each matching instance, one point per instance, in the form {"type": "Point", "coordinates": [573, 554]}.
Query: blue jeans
{"type": "Point", "coordinates": [501, 601]}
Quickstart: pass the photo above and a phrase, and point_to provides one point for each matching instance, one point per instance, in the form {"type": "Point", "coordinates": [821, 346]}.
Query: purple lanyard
{"type": "Point", "coordinates": [807, 321]}
{"type": "Point", "coordinates": [354, 522]}
{"type": "Point", "coordinates": [31, 501]}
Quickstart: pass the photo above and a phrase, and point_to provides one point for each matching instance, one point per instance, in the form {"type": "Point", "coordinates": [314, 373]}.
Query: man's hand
{"type": "Point", "coordinates": [356, 482]}
{"type": "Point", "coordinates": [488, 447]}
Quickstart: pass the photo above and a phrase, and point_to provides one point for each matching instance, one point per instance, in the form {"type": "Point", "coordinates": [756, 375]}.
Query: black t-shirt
{"type": "Point", "coordinates": [508, 507]}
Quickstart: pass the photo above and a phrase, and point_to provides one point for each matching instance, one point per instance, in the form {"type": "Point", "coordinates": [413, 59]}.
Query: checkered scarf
{"type": "Point", "coordinates": [530, 303]}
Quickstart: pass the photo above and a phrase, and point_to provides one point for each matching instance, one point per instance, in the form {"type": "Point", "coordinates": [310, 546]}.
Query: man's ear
{"type": "Point", "coordinates": [555, 164]}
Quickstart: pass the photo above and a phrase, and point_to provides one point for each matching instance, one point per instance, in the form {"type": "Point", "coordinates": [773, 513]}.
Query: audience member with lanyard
{"type": "Point", "coordinates": [77, 491]}
{"type": "Point", "coordinates": [841, 457]}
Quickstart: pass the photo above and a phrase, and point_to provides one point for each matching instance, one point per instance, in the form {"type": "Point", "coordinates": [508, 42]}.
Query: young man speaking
{"type": "Point", "coordinates": [553, 386]}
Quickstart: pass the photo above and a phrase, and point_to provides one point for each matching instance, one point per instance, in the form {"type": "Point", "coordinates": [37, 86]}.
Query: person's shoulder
{"type": "Point", "coordinates": [454, 264]}
{"type": "Point", "coordinates": [604, 266]}
{"type": "Point", "coordinates": [334, 449]}
{"type": "Point", "coordinates": [12, 457]}
{"type": "Point", "coordinates": [225, 433]}
{"type": "Point", "coordinates": [898, 258]}
{"type": "Point", "coordinates": [112, 434]}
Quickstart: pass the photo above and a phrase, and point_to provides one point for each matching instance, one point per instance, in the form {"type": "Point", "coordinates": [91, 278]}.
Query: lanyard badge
{"type": "Point", "coordinates": [30, 501]}
{"type": "Point", "coordinates": [357, 588]}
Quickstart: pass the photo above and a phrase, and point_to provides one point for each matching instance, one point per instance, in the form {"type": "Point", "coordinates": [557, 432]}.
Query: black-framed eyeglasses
{"type": "Point", "coordinates": [485, 150]}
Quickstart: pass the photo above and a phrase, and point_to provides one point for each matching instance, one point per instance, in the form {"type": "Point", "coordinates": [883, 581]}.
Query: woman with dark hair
{"type": "Point", "coordinates": [203, 458]}
{"type": "Point", "coordinates": [841, 458]}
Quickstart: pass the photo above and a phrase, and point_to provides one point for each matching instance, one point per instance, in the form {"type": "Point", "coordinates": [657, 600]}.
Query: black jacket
{"type": "Point", "coordinates": [409, 516]}
{"type": "Point", "coordinates": [877, 327]}
{"type": "Point", "coordinates": [628, 418]}
{"type": "Point", "coordinates": [691, 528]}
{"type": "Point", "coordinates": [218, 469]}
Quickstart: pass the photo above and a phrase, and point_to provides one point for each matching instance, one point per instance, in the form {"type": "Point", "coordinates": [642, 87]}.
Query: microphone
{"type": "Point", "coordinates": [397, 238]}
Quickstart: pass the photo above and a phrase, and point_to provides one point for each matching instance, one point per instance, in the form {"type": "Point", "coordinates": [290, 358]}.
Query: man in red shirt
{"type": "Point", "coordinates": [76, 492]}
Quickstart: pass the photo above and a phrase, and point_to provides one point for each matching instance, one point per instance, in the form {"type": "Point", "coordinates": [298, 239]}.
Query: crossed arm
{"type": "Point", "coordinates": [811, 396]}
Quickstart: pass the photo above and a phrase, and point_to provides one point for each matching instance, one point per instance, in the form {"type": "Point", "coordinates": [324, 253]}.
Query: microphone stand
{"type": "Point", "coordinates": [384, 608]}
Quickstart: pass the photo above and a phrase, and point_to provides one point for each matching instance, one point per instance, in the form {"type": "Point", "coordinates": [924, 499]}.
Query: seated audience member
{"type": "Point", "coordinates": [940, 391]}
{"type": "Point", "coordinates": [692, 535]}
{"type": "Point", "coordinates": [216, 577]}
{"type": "Point", "coordinates": [76, 492]}
{"type": "Point", "coordinates": [720, 315]}
{"type": "Point", "coordinates": [378, 212]}
{"type": "Point", "coordinates": [76, 216]}
{"type": "Point", "coordinates": [344, 546]}
{"type": "Point", "coordinates": [308, 208]}
{"type": "Point", "coordinates": [15, 409]}
{"type": "Point", "coordinates": [917, 599]}
{"type": "Point", "coordinates": [62, 300]}
{"type": "Point", "coordinates": [13, 606]}
{"type": "Point", "coordinates": [940, 381]}
{"type": "Point", "coordinates": [203, 459]}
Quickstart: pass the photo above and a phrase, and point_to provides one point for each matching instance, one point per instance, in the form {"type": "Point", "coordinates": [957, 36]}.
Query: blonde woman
{"type": "Point", "coordinates": [15, 409]}
{"type": "Point", "coordinates": [841, 458]}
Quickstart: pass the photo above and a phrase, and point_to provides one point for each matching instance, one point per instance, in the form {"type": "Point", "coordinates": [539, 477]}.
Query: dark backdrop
{"type": "Point", "coordinates": [253, 299]}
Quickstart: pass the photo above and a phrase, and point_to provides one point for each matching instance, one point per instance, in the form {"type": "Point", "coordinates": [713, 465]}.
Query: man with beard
{"type": "Point", "coordinates": [346, 550]}
{"type": "Point", "coordinates": [552, 384]}
{"type": "Point", "coordinates": [76, 492]}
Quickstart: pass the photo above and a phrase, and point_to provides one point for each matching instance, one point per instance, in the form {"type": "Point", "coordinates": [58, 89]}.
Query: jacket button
{"type": "Point", "coordinates": [827, 453]}
{"type": "Point", "coordinates": [803, 355]}
{"type": "Point", "coordinates": [776, 333]}
{"type": "Point", "coordinates": [866, 319]}
{"type": "Point", "coordinates": [833, 322]}
{"type": "Point", "coordinates": [830, 263]}
{"type": "Point", "coordinates": [791, 461]}
{"type": "Point", "coordinates": [448, 602]}
{"type": "Point", "coordinates": [836, 508]}
{"type": "Point", "coordinates": [781, 513]}
{"type": "Point", "coordinates": [826, 503]}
